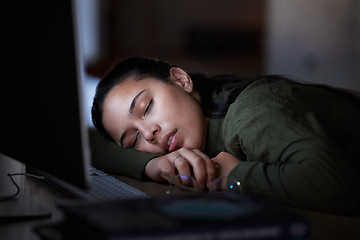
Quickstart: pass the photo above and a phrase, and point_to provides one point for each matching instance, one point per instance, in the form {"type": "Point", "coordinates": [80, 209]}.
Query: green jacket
{"type": "Point", "coordinates": [300, 145]}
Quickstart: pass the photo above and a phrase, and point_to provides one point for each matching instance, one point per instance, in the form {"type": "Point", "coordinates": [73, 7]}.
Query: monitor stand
{"type": "Point", "coordinates": [22, 206]}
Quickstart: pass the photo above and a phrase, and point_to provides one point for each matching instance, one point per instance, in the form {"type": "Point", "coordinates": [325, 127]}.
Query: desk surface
{"type": "Point", "coordinates": [35, 193]}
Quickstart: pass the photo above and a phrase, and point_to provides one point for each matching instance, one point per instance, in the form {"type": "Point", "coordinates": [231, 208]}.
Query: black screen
{"type": "Point", "coordinates": [40, 111]}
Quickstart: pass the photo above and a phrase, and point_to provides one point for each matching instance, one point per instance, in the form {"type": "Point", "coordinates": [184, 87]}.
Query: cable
{"type": "Point", "coordinates": [16, 185]}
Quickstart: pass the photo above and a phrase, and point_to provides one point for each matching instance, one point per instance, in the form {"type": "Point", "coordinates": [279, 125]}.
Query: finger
{"type": "Point", "coordinates": [167, 176]}
{"type": "Point", "coordinates": [198, 166]}
{"type": "Point", "coordinates": [167, 170]}
{"type": "Point", "coordinates": [183, 168]}
{"type": "Point", "coordinates": [210, 167]}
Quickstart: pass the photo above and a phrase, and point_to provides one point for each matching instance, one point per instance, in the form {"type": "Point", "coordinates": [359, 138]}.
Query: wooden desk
{"type": "Point", "coordinates": [34, 192]}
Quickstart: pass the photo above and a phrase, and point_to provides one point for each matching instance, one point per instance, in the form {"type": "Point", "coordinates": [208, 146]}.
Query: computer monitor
{"type": "Point", "coordinates": [41, 119]}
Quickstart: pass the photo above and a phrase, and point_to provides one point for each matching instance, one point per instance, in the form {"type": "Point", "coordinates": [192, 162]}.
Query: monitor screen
{"type": "Point", "coordinates": [42, 124]}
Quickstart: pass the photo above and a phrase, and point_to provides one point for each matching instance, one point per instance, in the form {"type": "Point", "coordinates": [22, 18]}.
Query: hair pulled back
{"type": "Point", "coordinates": [138, 68]}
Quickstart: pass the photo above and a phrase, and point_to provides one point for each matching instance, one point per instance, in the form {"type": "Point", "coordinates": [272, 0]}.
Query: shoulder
{"type": "Point", "coordinates": [265, 93]}
{"type": "Point", "coordinates": [258, 106]}
{"type": "Point", "coordinates": [269, 85]}
{"type": "Point", "coordinates": [264, 104]}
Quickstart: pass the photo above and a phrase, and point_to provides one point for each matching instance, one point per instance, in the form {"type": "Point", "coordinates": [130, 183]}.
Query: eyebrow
{"type": "Point", "coordinates": [131, 111]}
{"type": "Point", "coordinates": [133, 103]}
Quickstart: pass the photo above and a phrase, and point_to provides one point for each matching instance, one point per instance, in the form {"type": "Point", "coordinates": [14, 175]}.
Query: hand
{"type": "Point", "coordinates": [226, 163]}
{"type": "Point", "coordinates": [190, 162]}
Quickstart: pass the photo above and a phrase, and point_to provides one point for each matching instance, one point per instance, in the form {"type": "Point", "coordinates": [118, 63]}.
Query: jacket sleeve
{"type": "Point", "coordinates": [290, 160]}
{"type": "Point", "coordinates": [111, 158]}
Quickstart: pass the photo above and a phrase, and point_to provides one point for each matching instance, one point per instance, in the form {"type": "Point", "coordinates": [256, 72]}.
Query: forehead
{"type": "Point", "coordinates": [118, 100]}
{"type": "Point", "coordinates": [122, 94]}
{"type": "Point", "coordinates": [131, 86]}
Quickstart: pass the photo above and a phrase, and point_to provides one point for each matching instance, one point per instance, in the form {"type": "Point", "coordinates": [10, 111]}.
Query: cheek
{"type": "Point", "coordinates": [183, 112]}
{"type": "Point", "coordinates": [179, 101]}
{"type": "Point", "coordinates": [193, 126]}
{"type": "Point", "coordinates": [195, 136]}
{"type": "Point", "coordinates": [150, 148]}
{"type": "Point", "coordinates": [112, 124]}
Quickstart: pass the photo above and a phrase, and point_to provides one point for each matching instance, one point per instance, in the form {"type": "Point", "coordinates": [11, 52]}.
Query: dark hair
{"type": "Point", "coordinates": [139, 68]}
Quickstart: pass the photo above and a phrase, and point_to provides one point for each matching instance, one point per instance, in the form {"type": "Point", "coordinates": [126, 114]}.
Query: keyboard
{"type": "Point", "coordinates": [102, 187]}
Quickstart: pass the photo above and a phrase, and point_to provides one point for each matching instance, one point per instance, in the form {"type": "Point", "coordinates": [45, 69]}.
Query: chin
{"type": "Point", "coordinates": [195, 146]}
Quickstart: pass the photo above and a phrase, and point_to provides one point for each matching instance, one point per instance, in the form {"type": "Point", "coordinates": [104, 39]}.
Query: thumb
{"type": "Point", "coordinates": [226, 163]}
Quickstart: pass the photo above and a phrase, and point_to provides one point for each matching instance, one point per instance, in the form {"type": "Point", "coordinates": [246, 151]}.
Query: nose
{"type": "Point", "coordinates": [150, 132]}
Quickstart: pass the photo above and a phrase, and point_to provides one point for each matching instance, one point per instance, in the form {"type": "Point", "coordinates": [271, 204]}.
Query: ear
{"type": "Point", "coordinates": [180, 77]}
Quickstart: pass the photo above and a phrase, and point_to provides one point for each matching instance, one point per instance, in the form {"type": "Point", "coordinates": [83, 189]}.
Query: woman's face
{"type": "Point", "coordinates": [153, 116]}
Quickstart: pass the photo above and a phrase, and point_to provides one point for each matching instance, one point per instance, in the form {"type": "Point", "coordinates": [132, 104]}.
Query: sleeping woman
{"type": "Point", "coordinates": [291, 143]}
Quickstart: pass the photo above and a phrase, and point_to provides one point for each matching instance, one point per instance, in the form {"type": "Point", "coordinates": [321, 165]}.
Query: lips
{"type": "Point", "coordinates": [169, 142]}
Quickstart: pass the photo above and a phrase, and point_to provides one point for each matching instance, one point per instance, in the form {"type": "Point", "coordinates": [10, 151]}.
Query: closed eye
{"type": "Point", "coordinates": [148, 107]}
{"type": "Point", "coordinates": [135, 140]}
